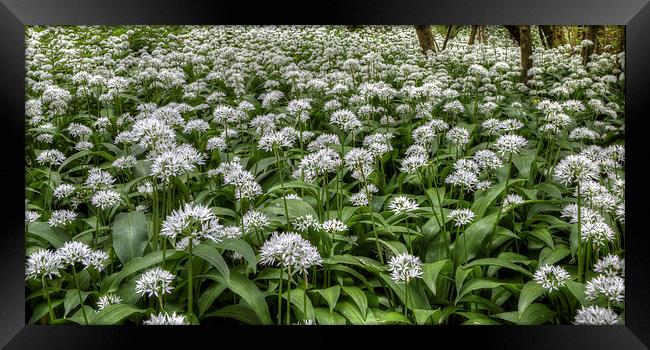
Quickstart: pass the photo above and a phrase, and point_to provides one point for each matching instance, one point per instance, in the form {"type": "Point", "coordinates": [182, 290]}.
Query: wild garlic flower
{"type": "Point", "coordinates": [62, 217]}
{"type": "Point", "coordinates": [306, 222]}
{"type": "Point", "coordinates": [276, 140]}
{"type": "Point", "coordinates": [106, 199]}
{"type": "Point", "coordinates": [289, 250]}
{"type": "Point", "coordinates": [323, 141]}
{"type": "Point", "coordinates": [551, 277]}
{"type": "Point", "coordinates": [402, 204]}
{"type": "Point", "coordinates": [196, 221]}
{"type": "Point", "coordinates": [216, 143]}
{"type": "Point", "coordinates": [165, 319]}
{"type": "Point", "coordinates": [31, 216]}
{"type": "Point", "coordinates": [512, 200]}
{"type": "Point", "coordinates": [63, 191]}
{"type": "Point", "coordinates": [596, 316]}
{"type": "Point", "coordinates": [73, 252]}
{"type": "Point", "coordinates": [43, 263]}
{"type": "Point", "coordinates": [487, 160]}
{"type": "Point", "coordinates": [360, 162]}
{"type": "Point", "coordinates": [610, 265]}
{"type": "Point", "coordinates": [108, 299]}
{"type": "Point", "coordinates": [333, 226]}
{"type": "Point", "coordinates": [96, 259]}
{"type": "Point", "coordinates": [510, 144]}
{"type": "Point", "coordinates": [574, 169]}
{"type": "Point", "coordinates": [154, 282]}
{"type": "Point", "coordinates": [51, 157]}
{"type": "Point", "coordinates": [99, 179]}
{"type": "Point", "coordinates": [457, 136]}
{"type": "Point", "coordinates": [124, 162]}
{"type": "Point", "coordinates": [346, 120]}
{"type": "Point", "coordinates": [610, 288]}
{"type": "Point", "coordinates": [405, 267]}
{"type": "Point", "coordinates": [255, 220]}
{"type": "Point", "coordinates": [461, 217]}
{"type": "Point", "coordinates": [321, 162]}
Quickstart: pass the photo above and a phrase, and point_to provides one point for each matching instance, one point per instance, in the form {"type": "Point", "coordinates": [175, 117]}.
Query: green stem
{"type": "Point", "coordinates": [47, 296]}
{"type": "Point", "coordinates": [190, 294]}
{"type": "Point", "coordinates": [280, 298]}
{"type": "Point", "coordinates": [284, 194]}
{"type": "Point", "coordinates": [288, 320]}
{"type": "Point", "coordinates": [81, 303]}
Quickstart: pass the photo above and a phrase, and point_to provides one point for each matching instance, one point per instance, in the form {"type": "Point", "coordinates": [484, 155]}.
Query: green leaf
{"type": "Point", "coordinates": [536, 314]}
{"type": "Point", "coordinates": [131, 235]}
{"type": "Point", "coordinates": [358, 297]}
{"type": "Point", "coordinates": [242, 247]}
{"type": "Point", "coordinates": [431, 271]}
{"type": "Point", "coordinates": [543, 235]}
{"type": "Point", "coordinates": [498, 262]}
{"type": "Point", "coordinates": [578, 291]}
{"type": "Point", "coordinates": [137, 264]}
{"type": "Point", "coordinates": [115, 313]}
{"type": "Point", "coordinates": [551, 256]}
{"type": "Point", "coordinates": [298, 300]}
{"type": "Point", "coordinates": [71, 300]}
{"type": "Point", "coordinates": [54, 235]}
{"type": "Point", "coordinates": [473, 237]}
{"type": "Point", "coordinates": [209, 296]}
{"type": "Point", "coordinates": [351, 312]}
{"type": "Point", "coordinates": [478, 283]}
{"type": "Point", "coordinates": [529, 293]}
{"type": "Point", "coordinates": [423, 315]}
{"type": "Point", "coordinates": [331, 295]}
{"type": "Point", "coordinates": [240, 312]}
{"type": "Point", "coordinates": [523, 161]}
{"type": "Point", "coordinates": [247, 289]}
{"type": "Point", "coordinates": [389, 317]}
{"type": "Point", "coordinates": [43, 309]}
{"type": "Point", "coordinates": [212, 256]}
{"type": "Point", "coordinates": [483, 201]}
{"type": "Point", "coordinates": [326, 317]}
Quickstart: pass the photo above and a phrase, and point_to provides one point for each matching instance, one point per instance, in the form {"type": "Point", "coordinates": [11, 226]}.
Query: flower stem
{"type": "Point", "coordinates": [190, 294]}
{"type": "Point", "coordinates": [81, 303]}
{"type": "Point", "coordinates": [47, 296]}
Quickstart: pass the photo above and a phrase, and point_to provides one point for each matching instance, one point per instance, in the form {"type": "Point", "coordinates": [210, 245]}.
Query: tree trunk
{"type": "Point", "coordinates": [621, 39]}
{"type": "Point", "coordinates": [425, 37]}
{"type": "Point", "coordinates": [514, 33]}
{"type": "Point", "coordinates": [590, 33]}
{"type": "Point", "coordinates": [483, 35]}
{"type": "Point", "coordinates": [472, 35]}
{"type": "Point", "coordinates": [447, 36]}
{"type": "Point", "coordinates": [526, 48]}
{"type": "Point", "coordinates": [546, 32]}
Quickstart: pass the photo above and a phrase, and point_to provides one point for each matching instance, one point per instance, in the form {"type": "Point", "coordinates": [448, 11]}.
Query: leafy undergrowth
{"type": "Point", "coordinates": [315, 175]}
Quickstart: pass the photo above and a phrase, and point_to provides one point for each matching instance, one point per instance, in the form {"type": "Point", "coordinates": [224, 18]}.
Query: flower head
{"type": "Point", "coordinates": [154, 282]}
{"type": "Point", "coordinates": [289, 250]}
{"type": "Point", "coordinates": [595, 315]}
{"type": "Point", "coordinates": [405, 267]}
{"type": "Point", "coordinates": [551, 277]}
{"type": "Point", "coordinates": [43, 263]}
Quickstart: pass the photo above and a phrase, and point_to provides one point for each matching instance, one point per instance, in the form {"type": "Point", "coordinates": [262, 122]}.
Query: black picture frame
{"type": "Point", "coordinates": [15, 14]}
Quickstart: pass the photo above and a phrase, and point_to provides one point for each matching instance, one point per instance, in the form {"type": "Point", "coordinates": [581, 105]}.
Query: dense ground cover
{"type": "Point", "coordinates": [315, 175]}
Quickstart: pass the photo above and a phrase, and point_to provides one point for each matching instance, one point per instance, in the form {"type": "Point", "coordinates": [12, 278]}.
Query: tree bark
{"type": "Point", "coordinates": [482, 34]}
{"type": "Point", "coordinates": [514, 33]}
{"type": "Point", "coordinates": [590, 33]}
{"type": "Point", "coordinates": [526, 48]}
{"type": "Point", "coordinates": [425, 37]}
{"type": "Point", "coordinates": [472, 35]}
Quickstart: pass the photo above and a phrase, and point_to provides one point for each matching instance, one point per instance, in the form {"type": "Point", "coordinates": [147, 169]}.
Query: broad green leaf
{"type": "Point", "coordinates": [131, 235]}
{"type": "Point", "coordinates": [43, 309]}
{"type": "Point", "coordinates": [53, 235]}
{"type": "Point", "coordinates": [212, 256]}
{"type": "Point", "coordinates": [246, 289]}
{"type": "Point", "coordinates": [478, 283]}
{"type": "Point", "coordinates": [137, 264]}
{"type": "Point", "coordinates": [298, 299]}
{"type": "Point", "coordinates": [209, 296]}
{"type": "Point", "coordinates": [423, 315]}
{"type": "Point", "coordinates": [551, 256]}
{"type": "Point", "coordinates": [389, 317]}
{"type": "Point", "coordinates": [71, 300]}
{"type": "Point", "coordinates": [351, 312]}
{"type": "Point", "coordinates": [358, 297]}
{"type": "Point", "coordinates": [536, 314]}
{"type": "Point", "coordinates": [483, 201]}
{"type": "Point", "coordinates": [498, 262]}
{"type": "Point", "coordinates": [331, 295]}
{"type": "Point", "coordinates": [326, 317]}
{"type": "Point", "coordinates": [240, 312]}
{"type": "Point", "coordinates": [242, 247]}
{"type": "Point", "coordinates": [529, 293]}
{"type": "Point", "coordinates": [578, 291]}
{"type": "Point", "coordinates": [115, 313]}
{"type": "Point", "coordinates": [431, 271]}
{"type": "Point", "coordinates": [473, 238]}
{"type": "Point", "coordinates": [543, 235]}
{"type": "Point", "coordinates": [523, 162]}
